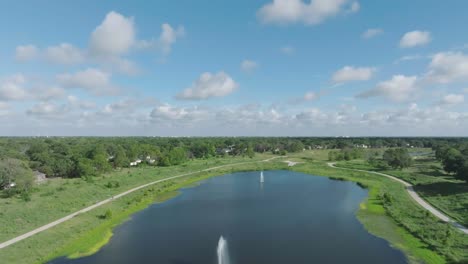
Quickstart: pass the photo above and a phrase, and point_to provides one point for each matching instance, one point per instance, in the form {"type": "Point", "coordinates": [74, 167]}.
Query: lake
{"type": "Point", "coordinates": [290, 218]}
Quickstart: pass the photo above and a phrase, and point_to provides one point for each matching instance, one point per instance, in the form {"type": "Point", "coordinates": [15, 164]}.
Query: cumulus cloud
{"type": "Point", "coordinates": [92, 80]}
{"type": "Point", "coordinates": [12, 88]}
{"type": "Point", "coordinates": [123, 118]}
{"type": "Point", "coordinates": [452, 99]}
{"type": "Point", "coordinates": [173, 115]}
{"type": "Point", "coordinates": [288, 50]}
{"type": "Point", "coordinates": [209, 85]}
{"type": "Point", "coordinates": [48, 110]}
{"type": "Point", "coordinates": [399, 88]}
{"type": "Point", "coordinates": [415, 38]}
{"type": "Point", "coordinates": [78, 103]}
{"type": "Point", "coordinates": [47, 93]}
{"type": "Point", "coordinates": [350, 73]}
{"type": "Point", "coordinates": [18, 88]}
{"type": "Point", "coordinates": [64, 53]}
{"type": "Point", "coordinates": [310, 96]}
{"type": "Point", "coordinates": [26, 52]}
{"type": "Point", "coordinates": [114, 36]}
{"type": "Point", "coordinates": [249, 66]}
{"type": "Point", "coordinates": [448, 67]}
{"type": "Point", "coordinates": [372, 32]}
{"type": "Point", "coordinates": [108, 46]}
{"type": "Point", "coordinates": [309, 13]}
{"type": "Point", "coordinates": [168, 37]}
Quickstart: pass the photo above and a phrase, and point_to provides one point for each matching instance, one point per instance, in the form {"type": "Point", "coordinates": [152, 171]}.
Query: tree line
{"type": "Point", "coordinates": [72, 157]}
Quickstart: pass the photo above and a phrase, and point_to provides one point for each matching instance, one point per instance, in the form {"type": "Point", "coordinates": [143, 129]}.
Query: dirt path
{"type": "Point", "coordinates": [415, 196]}
{"type": "Point", "coordinates": [89, 208]}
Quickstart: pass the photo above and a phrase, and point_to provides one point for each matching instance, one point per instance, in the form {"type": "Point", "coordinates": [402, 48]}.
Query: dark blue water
{"type": "Point", "coordinates": [292, 218]}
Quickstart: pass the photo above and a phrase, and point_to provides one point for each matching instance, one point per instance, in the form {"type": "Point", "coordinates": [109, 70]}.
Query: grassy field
{"type": "Point", "coordinates": [397, 219]}
{"type": "Point", "coordinates": [440, 189]}
{"type": "Point", "coordinates": [59, 197]}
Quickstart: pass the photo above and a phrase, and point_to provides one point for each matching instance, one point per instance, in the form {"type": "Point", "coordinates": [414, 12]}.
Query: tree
{"type": "Point", "coordinates": [120, 158]}
{"type": "Point", "coordinates": [462, 172]}
{"type": "Point", "coordinates": [397, 158]}
{"type": "Point", "coordinates": [452, 160]}
{"type": "Point", "coordinates": [177, 156]}
{"type": "Point", "coordinates": [17, 172]}
{"type": "Point", "coordinates": [250, 152]}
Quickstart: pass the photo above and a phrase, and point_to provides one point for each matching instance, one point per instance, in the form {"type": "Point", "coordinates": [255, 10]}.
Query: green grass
{"type": "Point", "coordinates": [431, 182]}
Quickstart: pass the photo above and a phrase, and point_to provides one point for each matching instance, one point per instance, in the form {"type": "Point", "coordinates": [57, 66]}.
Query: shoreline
{"type": "Point", "coordinates": [367, 216]}
{"type": "Point", "coordinates": [370, 214]}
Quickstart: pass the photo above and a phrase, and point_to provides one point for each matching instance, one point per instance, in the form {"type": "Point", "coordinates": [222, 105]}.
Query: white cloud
{"type": "Point", "coordinates": [92, 80]}
{"type": "Point", "coordinates": [48, 110]}
{"type": "Point", "coordinates": [75, 102]}
{"type": "Point", "coordinates": [124, 118]}
{"type": "Point", "coordinates": [209, 85]}
{"type": "Point", "coordinates": [288, 50]}
{"type": "Point", "coordinates": [4, 106]}
{"type": "Point", "coordinates": [178, 115]}
{"type": "Point", "coordinates": [169, 36]}
{"type": "Point", "coordinates": [249, 66]}
{"type": "Point", "coordinates": [309, 13]}
{"type": "Point", "coordinates": [64, 53]}
{"type": "Point", "coordinates": [407, 58]}
{"type": "Point", "coordinates": [415, 38]}
{"type": "Point", "coordinates": [166, 40]}
{"type": "Point", "coordinates": [114, 36]}
{"type": "Point", "coordinates": [47, 93]}
{"type": "Point", "coordinates": [26, 52]}
{"type": "Point", "coordinates": [250, 116]}
{"type": "Point", "coordinates": [399, 88]}
{"type": "Point", "coordinates": [372, 32]}
{"type": "Point", "coordinates": [350, 73]}
{"type": "Point", "coordinates": [448, 67]}
{"type": "Point", "coordinates": [452, 99]}
{"type": "Point", "coordinates": [12, 88]}
{"type": "Point", "coordinates": [310, 96]}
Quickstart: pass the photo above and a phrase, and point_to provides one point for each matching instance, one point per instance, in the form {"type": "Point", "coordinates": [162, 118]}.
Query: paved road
{"type": "Point", "coordinates": [84, 210]}
{"type": "Point", "coordinates": [415, 196]}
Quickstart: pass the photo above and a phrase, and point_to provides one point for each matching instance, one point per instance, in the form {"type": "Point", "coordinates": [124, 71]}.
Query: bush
{"type": "Point", "coordinates": [107, 214]}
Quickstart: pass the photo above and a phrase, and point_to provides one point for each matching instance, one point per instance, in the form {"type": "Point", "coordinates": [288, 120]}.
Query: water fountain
{"type": "Point", "coordinates": [223, 256]}
{"type": "Point", "coordinates": [262, 179]}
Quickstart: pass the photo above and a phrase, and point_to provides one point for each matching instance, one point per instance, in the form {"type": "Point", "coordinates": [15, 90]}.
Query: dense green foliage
{"type": "Point", "coordinates": [397, 158]}
{"type": "Point", "coordinates": [455, 159]}
{"type": "Point", "coordinates": [15, 177]}
{"type": "Point", "coordinates": [345, 154]}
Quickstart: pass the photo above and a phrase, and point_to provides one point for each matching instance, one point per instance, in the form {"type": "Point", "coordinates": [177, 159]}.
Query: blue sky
{"type": "Point", "coordinates": [209, 68]}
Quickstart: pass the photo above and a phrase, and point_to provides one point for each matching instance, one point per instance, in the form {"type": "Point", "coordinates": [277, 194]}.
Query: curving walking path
{"type": "Point", "coordinates": [89, 208]}
{"type": "Point", "coordinates": [415, 196]}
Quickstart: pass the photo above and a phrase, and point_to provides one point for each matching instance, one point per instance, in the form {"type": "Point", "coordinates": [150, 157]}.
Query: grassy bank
{"type": "Point", "coordinates": [442, 190]}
